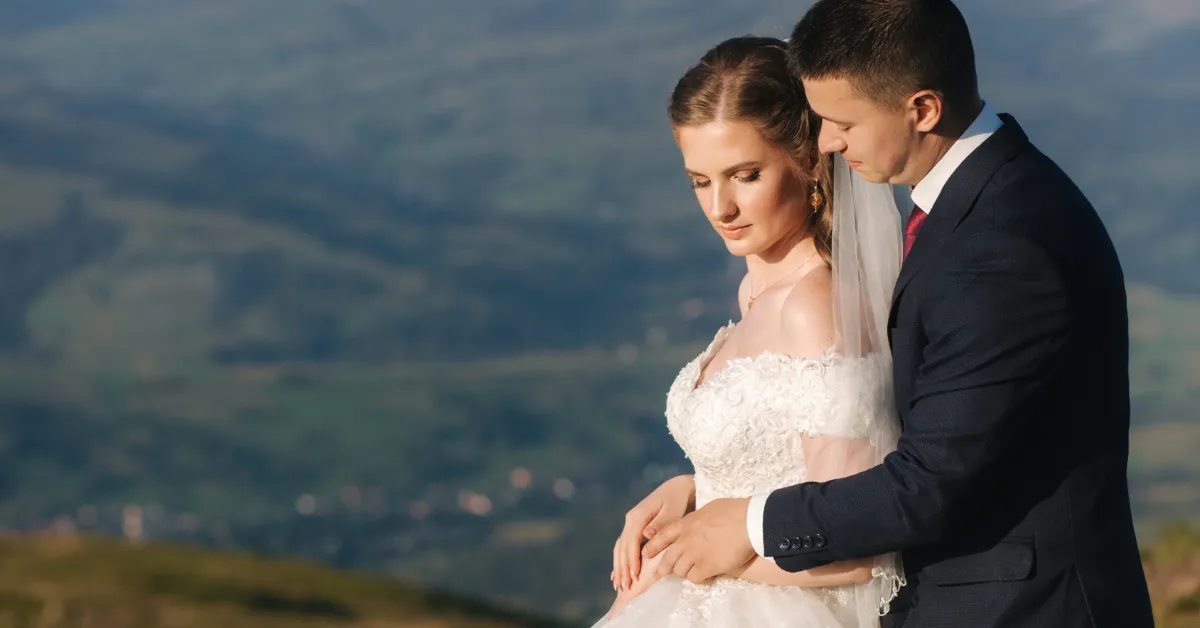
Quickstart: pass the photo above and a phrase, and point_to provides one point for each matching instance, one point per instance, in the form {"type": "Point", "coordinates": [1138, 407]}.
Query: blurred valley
{"type": "Point", "coordinates": [400, 287]}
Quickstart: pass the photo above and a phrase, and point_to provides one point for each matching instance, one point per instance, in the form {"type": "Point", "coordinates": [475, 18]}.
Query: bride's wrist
{"type": "Point", "coordinates": [686, 478]}
{"type": "Point", "coordinates": [691, 481]}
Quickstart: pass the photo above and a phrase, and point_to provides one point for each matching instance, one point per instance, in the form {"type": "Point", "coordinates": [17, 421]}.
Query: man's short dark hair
{"type": "Point", "coordinates": [888, 49]}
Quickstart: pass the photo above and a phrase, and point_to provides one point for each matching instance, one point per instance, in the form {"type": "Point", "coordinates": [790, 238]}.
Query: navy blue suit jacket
{"type": "Point", "coordinates": [1008, 493]}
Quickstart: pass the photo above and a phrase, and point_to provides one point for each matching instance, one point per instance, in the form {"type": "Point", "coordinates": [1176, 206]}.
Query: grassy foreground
{"type": "Point", "coordinates": [68, 582]}
{"type": "Point", "coordinates": [1173, 569]}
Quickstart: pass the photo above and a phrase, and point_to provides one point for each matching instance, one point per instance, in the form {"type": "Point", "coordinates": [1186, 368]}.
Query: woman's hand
{"type": "Point", "coordinates": [624, 597]}
{"type": "Point", "coordinates": [666, 504]}
{"type": "Point", "coordinates": [649, 575]}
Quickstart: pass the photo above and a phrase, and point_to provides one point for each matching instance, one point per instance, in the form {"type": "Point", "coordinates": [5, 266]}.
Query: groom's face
{"type": "Point", "coordinates": [876, 141]}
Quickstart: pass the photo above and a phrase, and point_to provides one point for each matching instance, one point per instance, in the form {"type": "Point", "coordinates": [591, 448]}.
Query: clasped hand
{"type": "Point", "coordinates": [707, 543]}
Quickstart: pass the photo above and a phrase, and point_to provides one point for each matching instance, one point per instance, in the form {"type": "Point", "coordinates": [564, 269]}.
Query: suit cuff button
{"type": "Point", "coordinates": [818, 540]}
{"type": "Point", "coordinates": [785, 545]}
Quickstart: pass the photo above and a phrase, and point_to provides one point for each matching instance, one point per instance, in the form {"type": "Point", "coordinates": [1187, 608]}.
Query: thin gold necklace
{"type": "Point", "coordinates": [750, 303]}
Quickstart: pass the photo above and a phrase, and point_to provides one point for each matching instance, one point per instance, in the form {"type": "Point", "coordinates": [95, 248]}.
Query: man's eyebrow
{"type": "Point", "coordinates": [828, 119]}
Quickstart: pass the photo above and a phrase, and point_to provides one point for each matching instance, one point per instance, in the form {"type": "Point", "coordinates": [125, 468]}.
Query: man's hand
{"type": "Point", "coordinates": [705, 544]}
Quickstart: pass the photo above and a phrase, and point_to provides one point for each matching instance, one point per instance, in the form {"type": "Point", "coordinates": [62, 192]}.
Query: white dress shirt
{"type": "Point", "coordinates": [924, 195]}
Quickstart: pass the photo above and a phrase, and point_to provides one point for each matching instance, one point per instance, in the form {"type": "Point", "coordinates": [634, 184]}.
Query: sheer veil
{"type": "Point", "coordinates": [866, 263]}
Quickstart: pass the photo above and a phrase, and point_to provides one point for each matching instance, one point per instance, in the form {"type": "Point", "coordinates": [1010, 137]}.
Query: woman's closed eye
{"type": "Point", "coordinates": [749, 176]}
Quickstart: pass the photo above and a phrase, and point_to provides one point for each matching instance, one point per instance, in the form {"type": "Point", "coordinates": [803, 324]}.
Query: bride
{"type": "Point", "coordinates": [800, 388]}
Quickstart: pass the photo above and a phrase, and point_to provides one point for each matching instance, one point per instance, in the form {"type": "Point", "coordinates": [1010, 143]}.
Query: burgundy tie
{"type": "Point", "coordinates": [915, 220]}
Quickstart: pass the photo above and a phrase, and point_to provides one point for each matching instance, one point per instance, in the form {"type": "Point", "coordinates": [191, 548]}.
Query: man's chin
{"type": "Point", "coordinates": [872, 177]}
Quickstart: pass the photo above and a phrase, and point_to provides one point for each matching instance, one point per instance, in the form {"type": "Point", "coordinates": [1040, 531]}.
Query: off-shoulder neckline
{"type": "Point", "coordinates": [703, 360]}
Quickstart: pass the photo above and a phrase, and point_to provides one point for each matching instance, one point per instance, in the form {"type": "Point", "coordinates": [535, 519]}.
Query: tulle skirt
{"type": "Point", "coordinates": [730, 603]}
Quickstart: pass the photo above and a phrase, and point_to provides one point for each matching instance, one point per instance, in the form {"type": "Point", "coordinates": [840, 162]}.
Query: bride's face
{"type": "Point", "coordinates": [876, 141]}
{"type": "Point", "coordinates": [749, 188]}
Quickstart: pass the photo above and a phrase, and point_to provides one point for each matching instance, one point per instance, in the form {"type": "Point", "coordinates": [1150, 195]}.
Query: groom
{"type": "Point", "coordinates": [1007, 495]}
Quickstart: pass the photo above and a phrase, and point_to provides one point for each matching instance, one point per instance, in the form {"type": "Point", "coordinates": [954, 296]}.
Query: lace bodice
{"type": "Point", "coordinates": [743, 427]}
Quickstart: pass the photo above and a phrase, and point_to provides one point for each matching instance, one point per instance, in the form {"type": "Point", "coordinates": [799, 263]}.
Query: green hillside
{"type": "Point", "coordinates": [77, 582]}
{"type": "Point", "coordinates": [269, 252]}
{"type": "Point", "coordinates": [1172, 564]}
{"type": "Point", "coordinates": [69, 582]}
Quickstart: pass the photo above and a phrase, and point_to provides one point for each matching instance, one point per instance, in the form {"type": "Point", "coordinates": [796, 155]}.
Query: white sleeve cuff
{"type": "Point", "coordinates": [754, 523]}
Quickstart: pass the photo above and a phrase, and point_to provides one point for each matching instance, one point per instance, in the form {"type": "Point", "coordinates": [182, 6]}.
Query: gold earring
{"type": "Point", "coordinates": [816, 200]}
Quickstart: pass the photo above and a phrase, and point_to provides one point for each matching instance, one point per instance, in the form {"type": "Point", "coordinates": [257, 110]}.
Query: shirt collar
{"type": "Point", "coordinates": [926, 193]}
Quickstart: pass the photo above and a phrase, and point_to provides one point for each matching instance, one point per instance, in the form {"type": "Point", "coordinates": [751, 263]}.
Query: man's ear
{"type": "Point", "coordinates": [927, 107]}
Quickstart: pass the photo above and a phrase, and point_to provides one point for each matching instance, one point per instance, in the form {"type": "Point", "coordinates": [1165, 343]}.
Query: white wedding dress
{"type": "Point", "coordinates": [742, 429]}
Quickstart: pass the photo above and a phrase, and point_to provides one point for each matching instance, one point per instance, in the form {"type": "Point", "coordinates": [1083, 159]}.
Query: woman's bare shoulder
{"type": "Point", "coordinates": [806, 321]}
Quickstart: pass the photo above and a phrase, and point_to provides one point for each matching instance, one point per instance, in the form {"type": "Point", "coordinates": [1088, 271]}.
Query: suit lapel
{"type": "Point", "coordinates": [958, 198]}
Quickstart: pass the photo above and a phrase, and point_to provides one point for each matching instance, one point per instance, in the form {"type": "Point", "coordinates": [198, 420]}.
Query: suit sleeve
{"type": "Point", "coordinates": [996, 322]}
